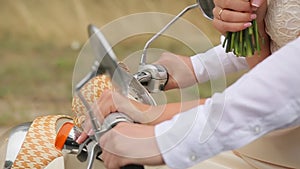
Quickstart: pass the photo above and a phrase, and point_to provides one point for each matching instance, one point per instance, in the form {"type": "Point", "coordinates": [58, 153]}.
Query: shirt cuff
{"type": "Point", "coordinates": [216, 62]}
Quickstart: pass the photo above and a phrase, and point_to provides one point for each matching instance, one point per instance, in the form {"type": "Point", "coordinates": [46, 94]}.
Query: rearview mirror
{"type": "Point", "coordinates": [207, 7]}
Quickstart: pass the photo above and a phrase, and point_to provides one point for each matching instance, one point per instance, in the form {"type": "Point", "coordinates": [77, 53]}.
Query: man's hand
{"type": "Point", "coordinates": [180, 70]}
{"type": "Point", "coordinates": [129, 143]}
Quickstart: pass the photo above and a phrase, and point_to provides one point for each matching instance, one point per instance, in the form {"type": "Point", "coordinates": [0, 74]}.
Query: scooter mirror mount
{"type": "Point", "coordinates": [154, 77]}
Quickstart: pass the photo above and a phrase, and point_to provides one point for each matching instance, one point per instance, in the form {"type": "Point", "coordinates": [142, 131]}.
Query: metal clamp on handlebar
{"type": "Point", "coordinates": [152, 77]}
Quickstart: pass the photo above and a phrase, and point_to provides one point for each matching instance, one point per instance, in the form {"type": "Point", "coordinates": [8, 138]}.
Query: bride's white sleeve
{"type": "Point", "coordinates": [264, 99]}
{"type": "Point", "coordinates": [204, 64]}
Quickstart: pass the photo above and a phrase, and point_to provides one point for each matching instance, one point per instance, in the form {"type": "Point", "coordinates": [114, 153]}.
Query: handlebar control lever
{"type": "Point", "coordinates": [153, 77]}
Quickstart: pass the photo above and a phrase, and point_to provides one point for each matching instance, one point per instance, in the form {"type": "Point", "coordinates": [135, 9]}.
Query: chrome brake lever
{"type": "Point", "coordinates": [94, 151]}
{"type": "Point", "coordinates": [90, 149]}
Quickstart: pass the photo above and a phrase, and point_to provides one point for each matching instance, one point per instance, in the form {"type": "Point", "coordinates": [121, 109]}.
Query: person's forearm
{"type": "Point", "coordinates": [186, 71]}
{"type": "Point", "coordinates": [216, 63]}
{"type": "Point", "coordinates": [161, 113]}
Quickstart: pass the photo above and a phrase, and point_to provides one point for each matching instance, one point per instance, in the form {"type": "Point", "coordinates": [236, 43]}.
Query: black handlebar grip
{"type": "Point", "coordinates": [133, 166]}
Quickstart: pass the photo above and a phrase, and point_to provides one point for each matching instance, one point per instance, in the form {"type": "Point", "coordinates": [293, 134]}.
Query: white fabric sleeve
{"type": "Point", "coordinates": [203, 63]}
{"type": "Point", "coordinates": [265, 99]}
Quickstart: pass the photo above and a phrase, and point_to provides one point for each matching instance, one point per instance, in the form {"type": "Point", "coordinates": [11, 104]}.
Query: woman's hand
{"type": "Point", "coordinates": [235, 15]}
{"type": "Point", "coordinates": [129, 143]}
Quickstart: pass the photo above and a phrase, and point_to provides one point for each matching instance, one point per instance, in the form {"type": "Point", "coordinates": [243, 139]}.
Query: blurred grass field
{"type": "Point", "coordinates": [36, 60]}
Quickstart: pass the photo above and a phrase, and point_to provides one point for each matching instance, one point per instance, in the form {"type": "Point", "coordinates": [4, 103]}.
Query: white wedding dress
{"type": "Point", "coordinates": [282, 22]}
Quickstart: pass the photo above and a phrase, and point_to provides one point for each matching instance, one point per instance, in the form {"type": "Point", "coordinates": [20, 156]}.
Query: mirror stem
{"type": "Point", "coordinates": [143, 58]}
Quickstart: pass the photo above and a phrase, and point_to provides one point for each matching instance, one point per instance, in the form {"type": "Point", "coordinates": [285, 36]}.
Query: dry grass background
{"type": "Point", "coordinates": [36, 61]}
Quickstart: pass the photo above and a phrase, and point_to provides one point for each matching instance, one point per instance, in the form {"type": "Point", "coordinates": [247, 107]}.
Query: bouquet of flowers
{"type": "Point", "coordinates": [243, 43]}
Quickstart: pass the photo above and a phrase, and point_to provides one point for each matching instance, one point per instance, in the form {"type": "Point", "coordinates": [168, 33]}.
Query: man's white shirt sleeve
{"type": "Point", "coordinates": [204, 63]}
{"type": "Point", "coordinates": [265, 99]}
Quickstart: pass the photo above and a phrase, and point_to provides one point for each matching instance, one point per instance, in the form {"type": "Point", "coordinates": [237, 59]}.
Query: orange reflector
{"type": "Point", "coordinates": [62, 135]}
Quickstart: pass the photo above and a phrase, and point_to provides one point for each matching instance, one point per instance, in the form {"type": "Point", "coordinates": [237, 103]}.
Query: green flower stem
{"type": "Point", "coordinates": [243, 43]}
{"type": "Point", "coordinates": [256, 35]}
